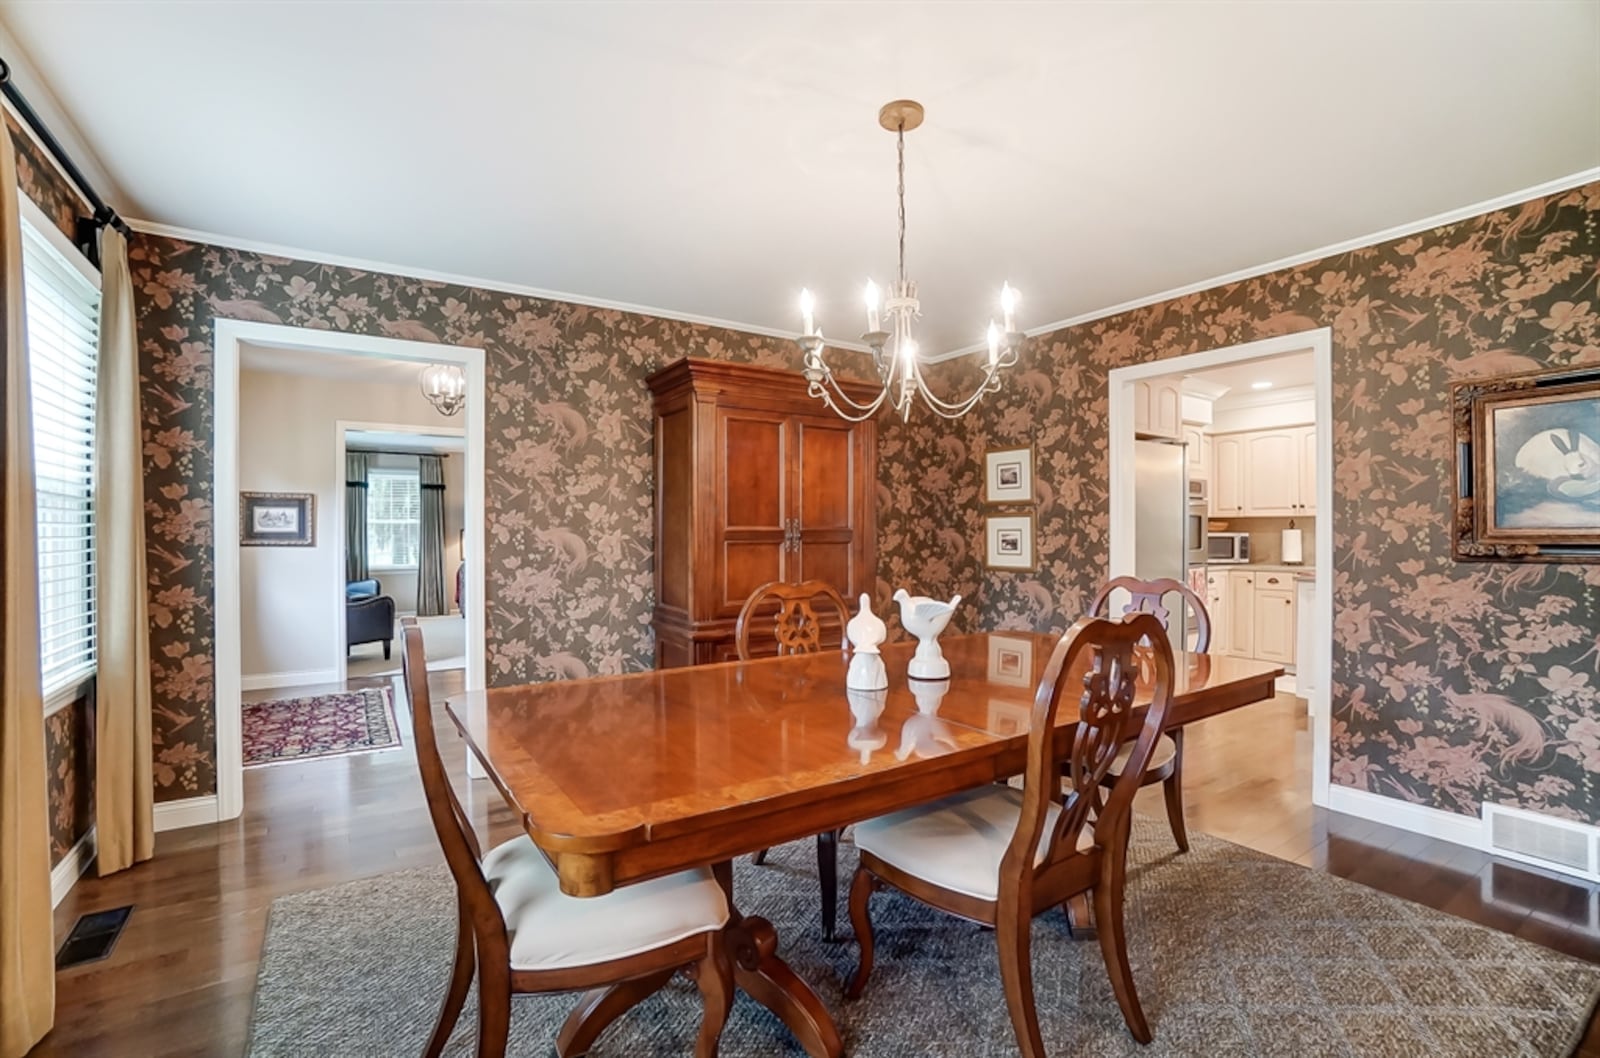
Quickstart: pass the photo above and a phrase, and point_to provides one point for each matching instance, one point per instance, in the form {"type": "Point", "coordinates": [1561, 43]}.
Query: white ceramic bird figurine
{"type": "Point", "coordinates": [866, 630]}
{"type": "Point", "coordinates": [925, 618]}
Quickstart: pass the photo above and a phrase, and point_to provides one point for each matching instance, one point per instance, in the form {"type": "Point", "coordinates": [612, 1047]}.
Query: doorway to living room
{"type": "Point", "coordinates": [298, 583]}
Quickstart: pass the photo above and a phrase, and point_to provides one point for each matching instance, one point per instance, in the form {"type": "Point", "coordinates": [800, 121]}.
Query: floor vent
{"type": "Point", "coordinates": [93, 937]}
{"type": "Point", "coordinates": [1542, 840]}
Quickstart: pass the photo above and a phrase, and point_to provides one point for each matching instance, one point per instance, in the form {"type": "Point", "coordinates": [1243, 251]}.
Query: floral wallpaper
{"type": "Point", "coordinates": [1453, 683]}
{"type": "Point", "coordinates": [39, 179]}
{"type": "Point", "coordinates": [569, 490]}
{"type": "Point", "coordinates": [69, 761]}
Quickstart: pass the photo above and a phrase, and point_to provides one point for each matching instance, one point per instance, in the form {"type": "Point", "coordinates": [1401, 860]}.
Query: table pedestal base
{"type": "Point", "coordinates": [757, 969]}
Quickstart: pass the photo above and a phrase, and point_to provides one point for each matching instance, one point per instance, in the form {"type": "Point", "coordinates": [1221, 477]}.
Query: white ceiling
{"type": "Point", "coordinates": [710, 159]}
{"type": "Point", "coordinates": [309, 362]}
{"type": "Point", "coordinates": [390, 441]}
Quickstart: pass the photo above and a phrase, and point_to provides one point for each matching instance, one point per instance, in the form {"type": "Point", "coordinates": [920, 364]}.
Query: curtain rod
{"type": "Point", "coordinates": [386, 452]}
{"type": "Point", "coordinates": [88, 228]}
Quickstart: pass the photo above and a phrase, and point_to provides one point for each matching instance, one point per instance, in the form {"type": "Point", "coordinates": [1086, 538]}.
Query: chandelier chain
{"type": "Point", "coordinates": [900, 190]}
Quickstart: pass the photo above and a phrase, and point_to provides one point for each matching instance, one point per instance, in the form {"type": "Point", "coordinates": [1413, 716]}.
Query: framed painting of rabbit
{"type": "Point", "coordinates": [1528, 467]}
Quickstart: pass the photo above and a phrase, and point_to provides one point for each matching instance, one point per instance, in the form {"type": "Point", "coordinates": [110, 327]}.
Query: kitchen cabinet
{"type": "Point", "coordinates": [1241, 613]}
{"type": "Point", "coordinates": [1196, 449]}
{"type": "Point", "coordinates": [1274, 618]}
{"type": "Point", "coordinates": [1158, 409]}
{"type": "Point", "coordinates": [1227, 474]}
{"type": "Point", "coordinates": [754, 483]}
{"type": "Point", "coordinates": [1217, 610]}
{"type": "Point", "coordinates": [1266, 473]}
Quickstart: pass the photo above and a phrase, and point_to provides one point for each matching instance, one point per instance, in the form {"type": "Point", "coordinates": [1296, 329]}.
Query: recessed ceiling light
{"type": "Point", "coordinates": [1261, 385]}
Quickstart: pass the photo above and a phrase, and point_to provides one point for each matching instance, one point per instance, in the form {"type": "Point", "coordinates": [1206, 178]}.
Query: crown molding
{"type": "Point", "coordinates": [1266, 398]}
{"type": "Point", "coordinates": [1438, 220]}
{"type": "Point", "coordinates": [1202, 387]}
{"type": "Point", "coordinates": [299, 253]}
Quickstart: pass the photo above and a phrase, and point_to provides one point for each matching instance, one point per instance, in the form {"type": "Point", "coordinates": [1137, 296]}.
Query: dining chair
{"type": "Point", "coordinates": [1001, 856]}
{"type": "Point", "coordinates": [520, 934]}
{"type": "Point", "coordinates": [797, 628]}
{"type": "Point", "coordinates": [1166, 765]}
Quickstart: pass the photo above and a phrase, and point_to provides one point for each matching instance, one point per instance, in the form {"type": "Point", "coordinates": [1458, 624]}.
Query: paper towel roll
{"type": "Point", "coordinates": [1290, 547]}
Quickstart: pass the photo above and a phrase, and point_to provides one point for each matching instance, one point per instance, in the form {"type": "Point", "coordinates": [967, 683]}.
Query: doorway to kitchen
{"type": "Point", "coordinates": [1261, 474]}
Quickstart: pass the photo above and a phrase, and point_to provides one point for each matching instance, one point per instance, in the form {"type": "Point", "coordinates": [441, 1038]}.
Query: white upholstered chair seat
{"type": "Point", "coordinates": [550, 930]}
{"type": "Point", "coordinates": [1166, 749]}
{"type": "Point", "coordinates": [956, 843]}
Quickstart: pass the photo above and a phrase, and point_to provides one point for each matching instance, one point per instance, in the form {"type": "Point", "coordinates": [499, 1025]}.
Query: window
{"type": "Point", "coordinates": [394, 519]}
{"type": "Point", "coordinates": [62, 307]}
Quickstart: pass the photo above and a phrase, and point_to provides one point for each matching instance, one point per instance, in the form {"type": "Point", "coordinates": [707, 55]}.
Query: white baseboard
{"type": "Point", "coordinates": [66, 873]}
{"type": "Point", "coordinates": [190, 812]}
{"type": "Point", "coordinates": [1419, 819]}
{"type": "Point", "coordinates": [265, 681]}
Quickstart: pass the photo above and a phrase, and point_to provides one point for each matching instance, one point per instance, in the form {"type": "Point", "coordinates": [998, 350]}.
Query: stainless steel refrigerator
{"type": "Point", "coordinates": [1160, 521]}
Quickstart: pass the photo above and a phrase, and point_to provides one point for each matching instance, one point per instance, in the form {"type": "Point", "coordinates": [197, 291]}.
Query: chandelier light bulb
{"type": "Point", "coordinates": [1008, 305]}
{"type": "Point", "coordinates": [808, 308]}
{"type": "Point", "coordinates": [994, 344]}
{"type": "Point", "coordinates": [870, 296]}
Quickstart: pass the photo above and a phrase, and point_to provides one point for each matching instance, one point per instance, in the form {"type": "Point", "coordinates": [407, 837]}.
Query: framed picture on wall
{"type": "Point", "coordinates": [1008, 542]}
{"type": "Point", "coordinates": [277, 519]}
{"type": "Point", "coordinates": [1008, 476]}
{"type": "Point", "coordinates": [1528, 467]}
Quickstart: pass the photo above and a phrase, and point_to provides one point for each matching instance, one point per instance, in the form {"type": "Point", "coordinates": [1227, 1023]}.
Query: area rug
{"type": "Point", "coordinates": [282, 730]}
{"type": "Point", "coordinates": [1234, 953]}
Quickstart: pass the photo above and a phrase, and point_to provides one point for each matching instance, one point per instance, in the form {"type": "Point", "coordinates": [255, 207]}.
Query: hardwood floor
{"type": "Point", "coordinates": [182, 977]}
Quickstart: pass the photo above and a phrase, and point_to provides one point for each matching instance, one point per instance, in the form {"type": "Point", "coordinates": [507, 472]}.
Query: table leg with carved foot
{"type": "Point", "coordinates": [768, 980]}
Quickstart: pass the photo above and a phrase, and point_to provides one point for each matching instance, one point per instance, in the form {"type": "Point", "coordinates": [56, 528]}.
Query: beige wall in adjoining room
{"type": "Point", "coordinates": [288, 440]}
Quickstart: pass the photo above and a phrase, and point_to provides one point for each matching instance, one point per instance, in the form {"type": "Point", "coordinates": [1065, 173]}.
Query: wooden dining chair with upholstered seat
{"type": "Point", "coordinates": [1166, 765]}
{"type": "Point", "coordinates": [518, 933]}
{"type": "Point", "coordinates": [798, 627]}
{"type": "Point", "coordinates": [1000, 856]}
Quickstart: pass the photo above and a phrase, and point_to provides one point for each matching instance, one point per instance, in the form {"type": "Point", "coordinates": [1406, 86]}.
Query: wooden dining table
{"type": "Point", "coordinates": [620, 779]}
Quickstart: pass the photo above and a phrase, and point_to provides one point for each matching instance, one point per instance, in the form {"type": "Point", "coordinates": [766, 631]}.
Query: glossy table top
{"type": "Point", "coordinates": [616, 762]}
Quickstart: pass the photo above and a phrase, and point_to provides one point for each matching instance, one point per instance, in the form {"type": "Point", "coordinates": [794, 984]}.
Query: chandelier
{"type": "Point", "coordinates": [445, 386]}
{"type": "Point", "coordinates": [888, 335]}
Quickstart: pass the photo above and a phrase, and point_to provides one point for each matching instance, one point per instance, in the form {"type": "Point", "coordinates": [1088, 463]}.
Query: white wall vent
{"type": "Point", "coordinates": [1543, 840]}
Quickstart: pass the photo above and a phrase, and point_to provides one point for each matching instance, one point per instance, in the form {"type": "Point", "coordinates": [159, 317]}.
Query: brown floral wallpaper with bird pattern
{"type": "Point", "coordinates": [1453, 683]}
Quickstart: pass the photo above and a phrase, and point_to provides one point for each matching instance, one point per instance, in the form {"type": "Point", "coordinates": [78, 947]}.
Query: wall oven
{"type": "Point", "coordinates": [1194, 524]}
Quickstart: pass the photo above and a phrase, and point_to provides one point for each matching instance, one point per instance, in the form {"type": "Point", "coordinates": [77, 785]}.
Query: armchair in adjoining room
{"type": "Point", "coordinates": [368, 616]}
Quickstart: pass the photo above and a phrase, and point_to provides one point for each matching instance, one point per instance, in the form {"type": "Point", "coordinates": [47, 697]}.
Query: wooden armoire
{"type": "Point", "coordinates": [755, 481]}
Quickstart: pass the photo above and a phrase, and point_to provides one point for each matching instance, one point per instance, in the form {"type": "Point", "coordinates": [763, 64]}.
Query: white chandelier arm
{"type": "Point", "coordinates": [819, 388]}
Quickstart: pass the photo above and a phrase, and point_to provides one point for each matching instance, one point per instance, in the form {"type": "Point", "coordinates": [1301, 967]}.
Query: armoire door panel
{"type": "Point", "coordinates": [675, 517]}
{"type": "Point", "coordinates": [751, 465]}
{"type": "Point", "coordinates": [746, 566]}
{"type": "Point", "coordinates": [827, 562]}
{"type": "Point", "coordinates": [825, 474]}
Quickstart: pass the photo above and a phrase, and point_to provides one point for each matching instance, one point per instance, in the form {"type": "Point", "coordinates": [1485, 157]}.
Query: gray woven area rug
{"type": "Point", "coordinates": [1235, 953]}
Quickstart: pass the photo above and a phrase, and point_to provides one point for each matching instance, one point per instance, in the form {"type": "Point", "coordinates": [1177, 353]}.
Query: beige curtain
{"type": "Point", "coordinates": [124, 790]}
{"type": "Point", "coordinates": [27, 971]}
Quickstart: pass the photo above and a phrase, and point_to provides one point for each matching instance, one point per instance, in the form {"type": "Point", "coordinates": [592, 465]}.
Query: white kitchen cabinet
{"type": "Point", "coordinates": [1240, 607]}
{"type": "Point", "coordinates": [1306, 673]}
{"type": "Point", "coordinates": [1308, 469]}
{"type": "Point", "coordinates": [1227, 474]}
{"type": "Point", "coordinates": [1274, 621]}
{"type": "Point", "coordinates": [1194, 453]}
{"type": "Point", "coordinates": [1158, 409]}
{"type": "Point", "coordinates": [1217, 610]}
{"type": "Point", "coordinates": [1265, 473]}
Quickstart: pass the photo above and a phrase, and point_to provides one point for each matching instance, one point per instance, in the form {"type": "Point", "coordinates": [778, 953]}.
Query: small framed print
{"type": "Point", "coordinates": [1008, 541]}
{"type": "Point", "coordinates": [1010, 661]}
{"type": "Point", "coordinates": [277, 519]}
{"type": "Point", "coordinates": [1008, 476]}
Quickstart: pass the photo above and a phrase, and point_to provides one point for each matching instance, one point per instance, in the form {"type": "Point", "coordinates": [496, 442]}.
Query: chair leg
{"type": "Point", "coordinates": [1173, 788]}
{"type": "Point", "coordinates": [494, 1009]}
{"type": "Point", "coordinates": [861, 889]}
{"type": "Point", "coordinates": [714, 976]}
{"type": "Point", "coordinates": [1014, 941]}
{"type": "Point", "coordinates": [456, 995]}
{"type": "Point", "coordinates": [759, 858]}
{"type": "Point", "coordinates": [828, 872]}
{"type": "Point", "coordinates": [1114, 946]}
{"type": "Point", "coordinates": [386, 645]}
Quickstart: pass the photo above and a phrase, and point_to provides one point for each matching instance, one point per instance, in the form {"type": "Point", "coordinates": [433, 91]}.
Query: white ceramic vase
{"type": "Point", "coordinates": [866, 632]}
{"type": "Point", "coordinates": [925, 618]}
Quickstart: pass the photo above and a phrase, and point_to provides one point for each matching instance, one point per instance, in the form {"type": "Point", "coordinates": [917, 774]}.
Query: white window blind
{"type": "Point", "coordinates": [394, 519]}
{"type": "Point", "coordinates": [62, 307]}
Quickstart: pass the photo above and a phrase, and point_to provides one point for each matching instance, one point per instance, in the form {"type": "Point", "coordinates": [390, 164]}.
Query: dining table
{"type": "Point", "coordinates": [620, 779]}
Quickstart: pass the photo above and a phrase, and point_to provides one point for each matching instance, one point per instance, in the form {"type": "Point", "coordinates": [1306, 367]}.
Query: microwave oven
{"type": "Point", "coordinates": [1222, 548]}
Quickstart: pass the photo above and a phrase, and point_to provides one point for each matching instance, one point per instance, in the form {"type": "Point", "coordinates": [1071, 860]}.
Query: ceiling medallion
{"type": "Point", "coordinates": [445, 386]}
{"type": "Point", "coordinates": [888, 334]}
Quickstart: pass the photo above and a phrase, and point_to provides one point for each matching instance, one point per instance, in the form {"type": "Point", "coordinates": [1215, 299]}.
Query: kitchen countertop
{"type": "Point", "coordinates": [1263, 567]}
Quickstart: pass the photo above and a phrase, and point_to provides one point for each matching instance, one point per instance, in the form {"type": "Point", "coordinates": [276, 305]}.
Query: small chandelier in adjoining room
{"type": "Point", "coordinates": [445, 386]}
{"type": "Point", "coordinates": [894, 351]}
